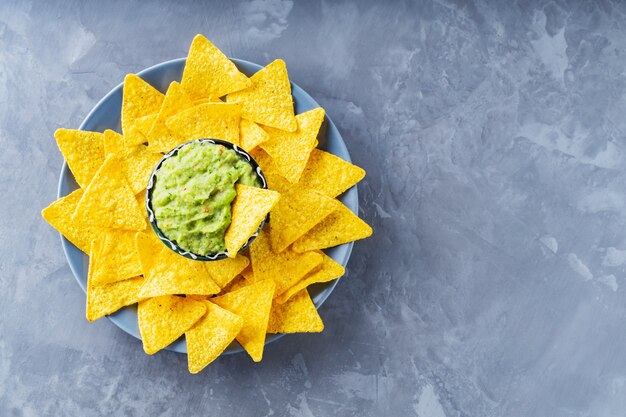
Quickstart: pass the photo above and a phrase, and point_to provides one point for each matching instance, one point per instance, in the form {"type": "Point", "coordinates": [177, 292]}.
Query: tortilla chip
{"type": "Point", "coordinates": [330, 174]}
{"type": "Point", "coordinates": [234, 285]}
{"type": "Point", "coordinates": [209, 73]}
{"type": "Point", "coordinates": [275, 181]}
{"type": "Point", "coordinates": [167, 272]}
{"type": "Point", "coordinates": [211, 120]}
{"type": "Point", "coordinates": [106, 299]}
{"type": "Point", "coordinates": [285, 268]}
{"type": "Point", "coordinates": [248, 211]}
{"type": "Point", "coordinates": [117, 258]}
{"type": "Point", "coordinates": [83, 151]}
{"type": "Point", "coordinates": [296, 213]}
{"type": "Point", "coordinates": [252, 303]}
{"type": "Point", "coordinates": [291, 150]}
{"type": "Point", "coordinates": [329, 271]}
{"type": "Point", "coordinates": [109, 201]}
{"type": "Point", "coordinates": [164, 319]}
{"type": "Point", "coordinates": [137, 162]}
{"type": "Point", "coordinates": [251, 135]}
{"type": "Point", "coordinates": [139, 99]}
{"type": "Point", "coordinates": [248, 274]}
{"type": "Point", "coordinates": [208, 338]}
{"type": "Point", "coordinates": [207, 100]}
{"type": "Point", "coordinates": [224, 271]}
{"type": "Point", "coordinates": [176, 100]}
{"type": "Point", "coordinates": [298, 315]}
{"type": "Point", "coordinates": [59, 215]}
{"type": "Point", "coordinates": [341, 226]}
{"type": "Point", "coordinates": [138, 131]}
{"type": "Point", "coordinates": [268, 101]}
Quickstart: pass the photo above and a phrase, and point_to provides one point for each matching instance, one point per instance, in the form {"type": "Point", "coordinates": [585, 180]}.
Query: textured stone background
{"type": "Point", "coordinates": [494, 138]}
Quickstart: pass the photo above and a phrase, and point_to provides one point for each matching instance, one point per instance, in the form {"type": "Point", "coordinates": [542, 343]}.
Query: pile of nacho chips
{"type": "Point", "coordinates": [260, 291]}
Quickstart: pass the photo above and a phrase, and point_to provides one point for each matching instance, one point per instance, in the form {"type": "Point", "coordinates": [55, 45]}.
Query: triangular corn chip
{"type": "Point", "coordinates": [251, 135]}
{"type": "Point", "coordinates": [208, 338]}
{"type": "Point", "coordinates": [167, 272]}
{"type": "Point", "coordinates": [209, 73]}
{"type": "Point", "coordinates": [298, 315]}
{"type": "Point", "coordinates": [117, 257]}
{"type": "Point", "coordinates": [341, 226]}
{"type": "Point", "coordinates": [223, 271]}
{"type": "Point", "coordinates": [137, 162]}
{"type": "Point", "coordinates": [330, 174]}
{"type": "Point", "coordinates": [291, 150]}
{"type": "Point", "coordinates": [269, 100]}
{"type": "Point", "coordinates": [296, 213]}
{"type": "Point", "coordinates": [329, 271]}
{"type": "Point", "coordinates": [106, 299]}
{"type": "Point", "coordinates": [248, 210]}
{"type": "Point", "coordinates": [176, 100]}
{"type": "Point", "coordinates": [164, 319]}
{"type": "Point", "coordinates": [139, 99]}
{"type": "Point", "coordinates": [138, 132]}
{"type": "Point", "coordinates": [211, 120]}
{"type": "Point", "coordinates": [285, 268]}
{"type": "Point", "coordinates": [83, 151]}
{"type": "Point", "coordinates": [252, 303]}
{"type": "Point", "coordinates": [275, 181]}
{"type": "Point", "coordinates": [109, 201]}
{"type": "Point", "coordinates": [59, 215]}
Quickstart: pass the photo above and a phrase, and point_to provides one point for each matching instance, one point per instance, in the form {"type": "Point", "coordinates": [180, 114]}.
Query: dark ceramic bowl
{"type": "Point", "coordinates": [154, 221]}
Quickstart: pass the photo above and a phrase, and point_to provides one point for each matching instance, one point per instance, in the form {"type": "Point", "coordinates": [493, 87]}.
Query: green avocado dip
{"type": "Point", "coordinates": [193, 192]}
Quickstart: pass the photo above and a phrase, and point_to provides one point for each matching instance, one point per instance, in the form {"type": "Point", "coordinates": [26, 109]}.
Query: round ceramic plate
{"type": "Point", "coordinates": [106, 115]}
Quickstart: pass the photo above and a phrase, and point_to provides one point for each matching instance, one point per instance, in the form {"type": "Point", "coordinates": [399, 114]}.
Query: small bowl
{"type": "Point", "coordinates": [173, 245]}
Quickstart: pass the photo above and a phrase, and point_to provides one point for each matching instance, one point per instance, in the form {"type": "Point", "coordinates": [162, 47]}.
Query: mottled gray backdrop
{"type": "Point", "coordinates": [494, 138]}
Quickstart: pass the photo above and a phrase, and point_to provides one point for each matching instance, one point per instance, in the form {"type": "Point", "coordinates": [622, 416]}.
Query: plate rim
{"type": "Point", "coordinates": [230, 350]}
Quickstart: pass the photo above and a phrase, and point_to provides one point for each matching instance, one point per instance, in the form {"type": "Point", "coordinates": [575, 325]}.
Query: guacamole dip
{"type": "Point", "coordinates": [192, 194]}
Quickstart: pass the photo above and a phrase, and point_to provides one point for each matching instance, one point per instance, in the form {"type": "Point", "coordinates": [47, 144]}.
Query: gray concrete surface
{"type": "Point", "coordinates": [494, 138]}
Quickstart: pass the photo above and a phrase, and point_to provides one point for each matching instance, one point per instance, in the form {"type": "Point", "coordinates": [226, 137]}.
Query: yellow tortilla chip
{"type": "Point", "coordinates": [164, 319]}
{"type": "Point", "coordinates": [139, 99]}
{"type": "Point", "coordinates": [329, 271]}
{"type": "Point", "coordinates": [298, 315]}
{"type": "Point", "coordinates": [138, 132]}
{"type": "Point", "coordinates": [285, 268]}
{"type": "Point", "coordinates": [249, 208]}
{"type": "Point", "coordinates": [330, 174]}
{"type": "Point", "coordinates": [117, 257]}
{"type": "Point", "coordinates": [176, 100]}
{"type": "Point", "coordinates": [268, 101]}
{"type": "Point", "coordinates": [83, 151]}
{"type": "Point", "coordinates": [291, 150]}
{"type": "Point", "coordinates": [209, 73]}
{"type": "Point", "coordinates": [248, 274]}
{"type": "Point", "coordinates": [206, 100]}
{"type": "Point", "coordinates": [252, 303]}
{"type": "Point", "coordinates": [137, 162]}
{"type": "Point", "coordinates": [167, 272]}
{"type": "Point", "coordinates": [208, 338]}
{"type": "Point", "coordinates": [234, 285]}
{"type": "Point", "coordinates": [341, 226]}
{"type": "Point", "coordinates": [105, 299]}
{"type": "Point", "coordinates": [251, 135]}
{"type": "Point", "coordinates": [212, 120]}
{"type": "Point", "coordinates": [296, 213]}
{"type": "Point", "coordinates": [275, 181]}
{"type": "Point", "coordinates": [223, 271]}
{"type": "Point", "coordinates": [109, 201]}
{"type": "Point", "coordinates": [59, 215]}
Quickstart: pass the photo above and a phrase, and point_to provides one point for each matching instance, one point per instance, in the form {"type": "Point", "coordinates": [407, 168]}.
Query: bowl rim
{"type": "Point", "coordinates": [67, 246]}
{"type": "Point", "coordinates": [152, 218]}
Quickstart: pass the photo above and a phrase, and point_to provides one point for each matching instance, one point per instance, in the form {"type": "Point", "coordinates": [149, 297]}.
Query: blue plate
{"type": "Point", "coordinates": [106, 115]}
